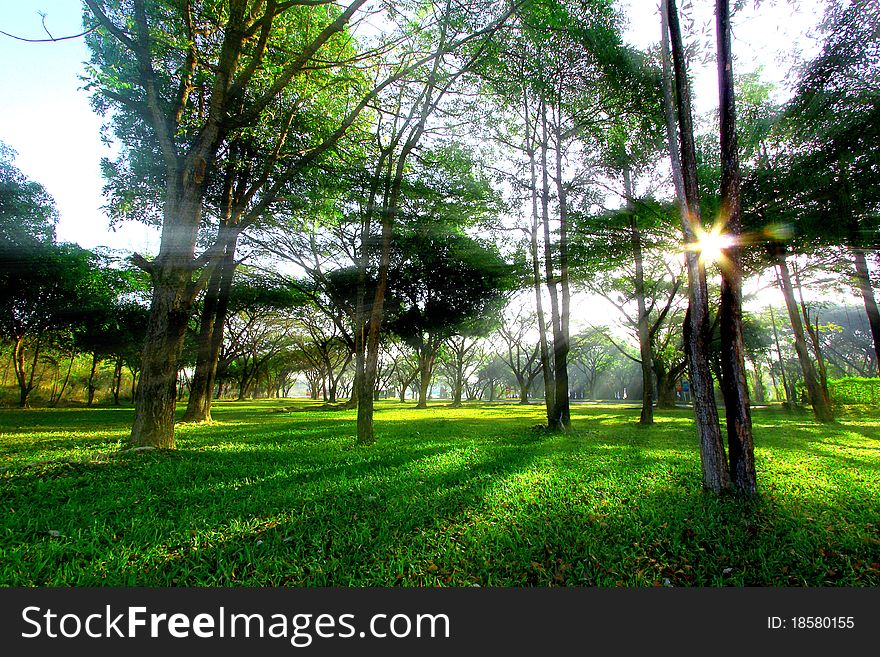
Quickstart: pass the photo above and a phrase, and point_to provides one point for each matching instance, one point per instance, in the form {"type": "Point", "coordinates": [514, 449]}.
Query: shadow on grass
{"type": "Point", "coordinates": [266, 499]}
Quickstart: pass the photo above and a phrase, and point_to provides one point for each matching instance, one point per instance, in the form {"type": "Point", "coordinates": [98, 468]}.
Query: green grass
{"type": "Point", "coordinates": [277, 494]}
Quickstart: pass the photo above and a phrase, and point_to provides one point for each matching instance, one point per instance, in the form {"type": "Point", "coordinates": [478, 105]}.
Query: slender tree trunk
{"type": "Point", "coordinates": [365, 433]}
{"type": "Point", "coordinates": [64, 383]}
{"type": "Point", "coordinates": [821, 405]}
{"type": "Point", "coordinates": [760, 395]}
{"type": "Point", "coordinates": [554, 417]}
{"type": "Point", "coordinates": [561, 341]}
{"type": "Point", "coordinates": [198, 408]}
{"type": "Point", "coordinates": [117, 380]}
{"type": "Point", "coordinates": [25, 378]}
{"type": "Point", "coordinates": [712, 456]}
{"type": "Point", "coordinates": [789, 400]}
{"type": "Point", "coordinates": [645, 355]}
{"type": "Point", "coordinates": [546, 367]}
{"type": "Point", "coordinates": [815, 339]}
{"type": "Point", "coordinates": [734, 382]}
{"type": "Point", "coordinates": [863, 276]}
{"type": "Point", "coordinates": [91, 384]}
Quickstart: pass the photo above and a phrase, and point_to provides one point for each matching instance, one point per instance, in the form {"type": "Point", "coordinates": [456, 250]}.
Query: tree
{"type": "Point", "coordinates": [45, 291]}
{"type": "Point", "coordinates": [460, 358]}
{"type": "Point", "coordinates": [197, 75]}
{"type": "Point", "coordinates": [696, 333]}
{"type": "Point", "coordinates": [593, 354]}
{"type": "Point", "coordinates": [442, 284]}
{"type": "Point", "coordinates": [521, 352]}
{"type": "Point", "coordinates": [734, 384]}
{"type": "Point", "coordinates": [27, 211]}
{"type": "Point", "coordinates": [830, 175]}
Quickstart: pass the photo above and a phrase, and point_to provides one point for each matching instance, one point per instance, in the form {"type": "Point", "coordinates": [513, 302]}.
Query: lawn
{"type": "Point", "coordinates": [276, 493]}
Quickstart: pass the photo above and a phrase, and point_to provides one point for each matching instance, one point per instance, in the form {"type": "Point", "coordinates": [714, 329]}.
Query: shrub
{"type": "Point", "coordinates": [855, 390]}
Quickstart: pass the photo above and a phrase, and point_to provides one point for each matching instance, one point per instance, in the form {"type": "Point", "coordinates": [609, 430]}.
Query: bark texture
{"type": "Point", "coordinates": [734, 384]}
{"type": "Point", "coordinates": [696, 330]}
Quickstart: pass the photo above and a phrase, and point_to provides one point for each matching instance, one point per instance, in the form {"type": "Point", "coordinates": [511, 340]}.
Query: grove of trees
{"type": "Point", "coordinates": [471, 201]}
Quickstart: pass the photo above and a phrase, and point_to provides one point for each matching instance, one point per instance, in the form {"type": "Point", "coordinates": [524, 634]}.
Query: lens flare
{"type": "Point", "coordinates": [711, 245]}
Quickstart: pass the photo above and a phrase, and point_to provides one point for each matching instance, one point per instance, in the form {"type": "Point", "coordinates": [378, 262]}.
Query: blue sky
{"type": "Point", "coordinates": [45, 116]}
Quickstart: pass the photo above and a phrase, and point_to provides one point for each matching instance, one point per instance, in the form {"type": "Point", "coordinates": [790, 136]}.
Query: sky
{"type": "Point", "coordinates": [45, 114]}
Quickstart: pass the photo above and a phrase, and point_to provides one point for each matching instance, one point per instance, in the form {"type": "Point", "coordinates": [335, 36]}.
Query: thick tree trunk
{"type": "Point", "coordinates": [157, 390]}
{"type": "Point", "coordinates": [863, 276]}
{"type": "Point", "coordinates": [712, 456]}
{"type": "Point", "coordinates": [665, 387]}
{"type": "Point", "coordinates": [734, 384]}
{"type": "Point", "coordinates": [644, 332]}
{"type": "Point", "coordinates": [821, 405]}
{"type": "Point", "coordinates": [170, 307]}
{"type": "Point", "coordinates": [426, 372]}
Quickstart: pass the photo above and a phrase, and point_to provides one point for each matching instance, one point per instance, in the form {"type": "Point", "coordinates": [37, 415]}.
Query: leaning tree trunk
{"type": "Point", "coordinates": [197, 408]}
{"type": "Point", "coordinates": [821, 405]}
{"type": "Point", "coordinates": [712, 456]}
{"type": "Point", "coordinates": [863, 277]}
{"type": "Point", "coordinates": [734, 384]}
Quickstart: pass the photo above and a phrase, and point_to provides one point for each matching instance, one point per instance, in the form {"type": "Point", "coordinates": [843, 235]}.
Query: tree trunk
{"type": "Point", "coordinates": [734, 384]}
{"type": "Point", "coordinates": [57, 399]}
{"type": "Point", "coordinates": [815, 340]}
{"type": "Point", "coordinates": [546, 367]}
{"type": "Point", "coordinates": [821, 405]}
{"type": "Point", "coordinates": [117, 380]}
{"type": "Point", "coordinates": [863, 276]}
{"type": "Point", "coordinates": [557, 418]}
{"type": "Point", "coordinates": [172, 299]}
{"type": "Point", "coordinates": [91, 384]}
{"type": "Point", "coordinates": [210, 339]}
{"type": "Point", "coordinates": [561, 343]}
{"type": "Point", "coordinates": [426, 371]}
{"type": "Point", "coordinates": [789, 398]}
{"type": "Point", "coordinates": [365, 433]}
{"type": "Point", "coordinates": [760, 395]}
{"type": "Point", "coordinates": [25, 379]}
{"type": "Point", "coordinates": [647, 414]}
{"type": "Point", "coordinates": [665, 388]}
{"type": "Point", "coordinates": [712, 456]}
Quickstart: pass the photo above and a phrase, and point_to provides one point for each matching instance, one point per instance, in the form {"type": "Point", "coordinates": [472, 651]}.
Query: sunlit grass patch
{"type": "Point", "coordinates": [278, 493]}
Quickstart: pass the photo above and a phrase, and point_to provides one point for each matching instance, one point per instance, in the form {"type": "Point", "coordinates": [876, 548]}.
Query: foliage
{"type": "Point", "coordinates": [855, 390]}
{"type": "Point", "coordinates": [27, 211]}
{"type": "Point", "coordinates": [444, 283]}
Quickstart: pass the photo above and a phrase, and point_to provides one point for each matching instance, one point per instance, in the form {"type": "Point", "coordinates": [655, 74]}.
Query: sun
{"type": "Point", "coordinates": [711, 245]}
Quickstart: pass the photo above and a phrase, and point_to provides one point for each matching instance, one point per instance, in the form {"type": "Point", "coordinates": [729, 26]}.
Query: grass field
{"type": "Point", "coordinates": [276, 493]}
